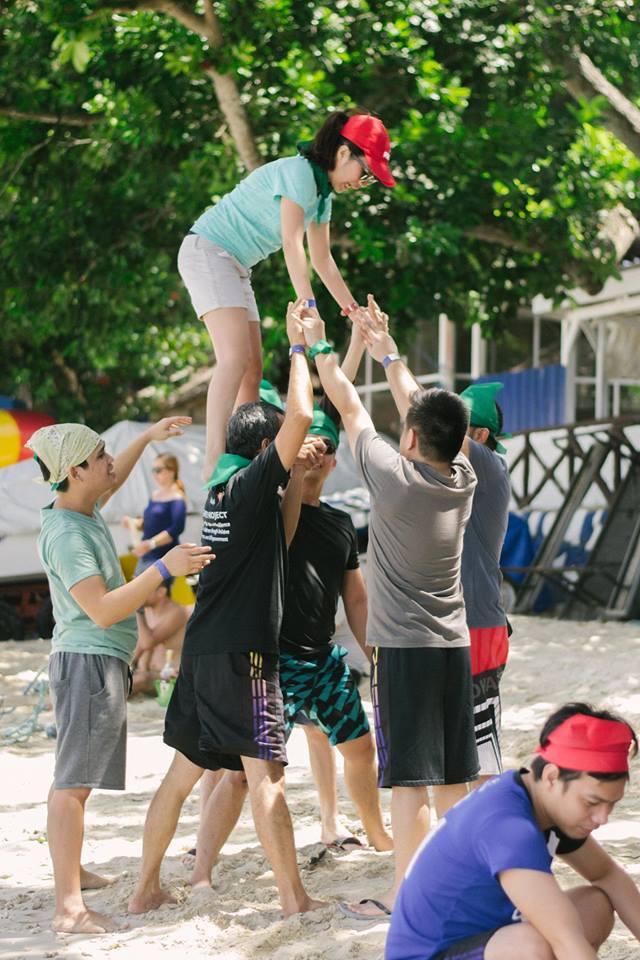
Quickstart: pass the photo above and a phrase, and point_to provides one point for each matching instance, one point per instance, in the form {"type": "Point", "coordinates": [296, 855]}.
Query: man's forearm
{"type": "Point", "coordinates": [291, 505]}
{"type": "Point", "coordinates": [403, 385]}
{"type": "Point", "coordinates": [340, 391]}
{"type": "Point", "coordinates": [624, 897]}
{"type": "Point", "coordinates": [351, 363]}
{"type": "Point", "coordinates": [356, 614]}
{"type": "Point", "coordinates": [126, 461]}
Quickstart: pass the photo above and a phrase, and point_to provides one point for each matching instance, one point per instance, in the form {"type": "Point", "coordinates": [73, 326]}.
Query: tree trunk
{"type": "Point", "coordinates": [620, 116]}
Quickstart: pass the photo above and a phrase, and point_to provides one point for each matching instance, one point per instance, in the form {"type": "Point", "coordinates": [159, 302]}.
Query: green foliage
{"type": "Point", "coordinates": [484, 132]}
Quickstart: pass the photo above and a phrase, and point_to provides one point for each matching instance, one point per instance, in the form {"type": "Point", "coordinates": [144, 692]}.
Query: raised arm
{"type": "Point", "coordinates": [299, 413]}
{"type": "Point", "coordinates": [126, 461]}
{"type": "Point", "coordinates": [340, 391]}
{"type": "Point", "coordinates": [373, 325]}
{"type": "Point", "coordinates": [354, 597]}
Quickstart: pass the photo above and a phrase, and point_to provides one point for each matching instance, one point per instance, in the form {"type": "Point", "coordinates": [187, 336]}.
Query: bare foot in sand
{"type": "Point", "coordinates": [93, 881]}
{"type": "Point", "coordinates": [144, 900]}
{"type": "Point", "coordinates": [305, 907]}
{"type": "Point", "coordinates": [84, 921]}
{"type": "Point", "coordinates": [382, 843]}
{"type": "Point", "coordinates": [200, 883]}
{"type": "Point", "coordinates": [189, 859]}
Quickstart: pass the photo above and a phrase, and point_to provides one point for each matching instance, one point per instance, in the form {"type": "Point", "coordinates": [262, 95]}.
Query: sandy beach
{"type": "Point", "coordinates": [551, 662]}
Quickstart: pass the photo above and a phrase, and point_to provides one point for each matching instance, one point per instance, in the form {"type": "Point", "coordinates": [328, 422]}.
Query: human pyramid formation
{"type": "Point", "coordinates": [258, 652]}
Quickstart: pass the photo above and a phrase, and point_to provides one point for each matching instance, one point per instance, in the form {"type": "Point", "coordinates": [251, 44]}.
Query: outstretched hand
{"type": "Point", "coordinates": [294, 321]}
{"type": "Point", "coordinates": [373, 324]}
{"type": "Point", "coordinates": [168, 427]}
{"type": "Point", "coordinates": [310, 455]}
{"type": "Point", "coordinates": [313, 328]}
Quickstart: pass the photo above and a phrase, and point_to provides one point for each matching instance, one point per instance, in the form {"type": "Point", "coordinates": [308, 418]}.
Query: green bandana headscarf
{"type": "Point", "coordinates": [323, 426]}
{"type": "Point", "coordinates": [321, 177]}
{"type": "Point", "coordinates": [480, 398]}
{"type": "Point", "coordinates": [269, 394]}
{"type": "Point", "coordinates": [227, 465]}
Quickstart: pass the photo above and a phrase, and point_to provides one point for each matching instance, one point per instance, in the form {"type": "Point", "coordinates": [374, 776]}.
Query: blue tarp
{"type": "Point", "coordinates": [531, 399]}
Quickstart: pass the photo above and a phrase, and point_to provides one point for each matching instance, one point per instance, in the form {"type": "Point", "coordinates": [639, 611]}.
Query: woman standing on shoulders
{"type": "Point", "coordinates": [165, 515]}
{"type": "Point", "coordinates": [270, 210]}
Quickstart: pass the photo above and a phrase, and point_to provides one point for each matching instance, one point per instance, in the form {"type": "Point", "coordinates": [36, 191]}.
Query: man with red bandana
{"type": "Point", "coordinates": [481, 886]}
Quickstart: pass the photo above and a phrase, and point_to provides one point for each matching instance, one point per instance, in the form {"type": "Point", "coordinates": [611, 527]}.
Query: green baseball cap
{"type": "Point", "coordinates": [269, 394]}
{"type": "Point", "coordinates": [481, 401]}
{"type": "Point", "coordinates": [323, 426]}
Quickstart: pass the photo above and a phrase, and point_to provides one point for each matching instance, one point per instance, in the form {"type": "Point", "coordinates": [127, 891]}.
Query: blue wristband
{"type": "Point", "coordinates": [389, 359]}
{"type": "Point", "coordinates": [164, 570]}
{"type": "Point", "coordinates": [297, 348]}
{"type": "Point", "coordinates": [311, 302]}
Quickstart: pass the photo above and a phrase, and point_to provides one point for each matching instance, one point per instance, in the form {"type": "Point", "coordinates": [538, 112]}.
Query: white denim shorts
{"type": "Point", "coordinates": [214, 278]}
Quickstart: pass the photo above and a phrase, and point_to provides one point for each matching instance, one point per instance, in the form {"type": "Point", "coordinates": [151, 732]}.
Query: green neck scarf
{"type": "Point", "coordinates": [323, 186]}
{"type": "Point", "coordinates": [227, 465]}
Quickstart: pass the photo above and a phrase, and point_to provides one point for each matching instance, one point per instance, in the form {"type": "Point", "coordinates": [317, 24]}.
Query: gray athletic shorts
{"type": "Point", "coordinates": [214, 278]}
{"type": "Point", "coordinates": [89, 693]}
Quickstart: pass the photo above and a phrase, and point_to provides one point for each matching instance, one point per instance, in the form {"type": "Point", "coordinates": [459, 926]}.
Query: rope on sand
{"type": "Point", "coordinates": [21, 732]}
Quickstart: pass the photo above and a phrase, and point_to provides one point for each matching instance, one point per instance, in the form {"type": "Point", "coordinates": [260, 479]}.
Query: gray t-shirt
{"type": "Point", "coordinates": [416, 528]}
{"type": "Point", "coordinates": [483, 539]}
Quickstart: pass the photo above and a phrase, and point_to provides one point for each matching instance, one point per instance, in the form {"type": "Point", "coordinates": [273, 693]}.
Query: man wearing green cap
{"type": "Point", "coordinates": [481, 577]}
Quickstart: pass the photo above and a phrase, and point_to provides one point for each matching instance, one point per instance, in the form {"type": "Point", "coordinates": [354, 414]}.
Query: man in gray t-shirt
{"type": "Point", "coordinates": [481, 576]}
{"type": "Point", "coordinates": [421, 500]}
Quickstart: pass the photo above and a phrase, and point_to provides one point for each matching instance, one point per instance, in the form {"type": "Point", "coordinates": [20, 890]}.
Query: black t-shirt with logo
{"type": "Point", "coordinates": [325, 546]}
{"type": "Point", "coordinates": [240, 595]}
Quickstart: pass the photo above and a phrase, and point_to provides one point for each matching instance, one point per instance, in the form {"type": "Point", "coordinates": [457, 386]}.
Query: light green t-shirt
{"type": "Point", "coordinates": [246, 222]}
{"type": "Point", "coordinates": [73, 547]}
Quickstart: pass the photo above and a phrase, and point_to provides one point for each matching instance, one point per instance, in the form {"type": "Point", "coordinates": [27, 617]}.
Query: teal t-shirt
{"type": "Point", "coordinates": [73, 547]}
{"type": "Point", "coordinates": [246, 222]}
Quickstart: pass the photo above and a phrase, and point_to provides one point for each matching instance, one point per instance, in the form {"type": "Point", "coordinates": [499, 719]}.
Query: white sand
{"type": "Point", "coordinates": [551, 661]}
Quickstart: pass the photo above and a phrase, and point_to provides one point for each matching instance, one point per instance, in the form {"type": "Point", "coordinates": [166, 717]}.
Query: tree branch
{"type": "Point", "coordinates": [59, 119]}
{"type": "Point", "coordinates": [584, 81]}
{"type": "Point", "coordinates": [224, 84]}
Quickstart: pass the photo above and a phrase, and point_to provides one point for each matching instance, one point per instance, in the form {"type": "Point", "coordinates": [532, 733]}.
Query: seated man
{"type": "Point", "coordinates": [161, 627]}
{"type": "Point", "coordinates": [481, 885]}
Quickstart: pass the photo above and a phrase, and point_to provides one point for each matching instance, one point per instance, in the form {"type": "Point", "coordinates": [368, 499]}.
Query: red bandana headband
{"type": "Point", "coordinates": [589, 744]}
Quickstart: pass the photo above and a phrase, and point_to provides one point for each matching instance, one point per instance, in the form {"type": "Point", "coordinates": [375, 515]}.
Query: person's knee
{"type": "Point", "coordinates": [360, 750]}
{"type": "Point", "coordinates": [182, 776]}
{"type": "Point", "coordinates": [521, 940]}
{"type": "Point", "coordinates": [238, 779]}
{"type": "Point", "coordinates": [596, 914]}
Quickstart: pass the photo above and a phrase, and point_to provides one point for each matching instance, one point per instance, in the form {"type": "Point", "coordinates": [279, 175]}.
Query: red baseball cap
{"type": "Point", "coordinates": [370, 134]}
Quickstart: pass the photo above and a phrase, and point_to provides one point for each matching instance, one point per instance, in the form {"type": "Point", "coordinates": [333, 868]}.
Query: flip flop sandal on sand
{"type": "Point", "coordinates": [341, 843]}
{"type": "Point", "coordinates": [384, 914]}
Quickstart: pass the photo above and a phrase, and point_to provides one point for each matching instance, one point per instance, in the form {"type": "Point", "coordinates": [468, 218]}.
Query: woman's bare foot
{"type": "Point", "coordinates": [200, 883]}
{"type": "Point", "coordinates": [84, 921]}
{"type": "Point", "coordinates": [144, 900]}
{"type": "Point", "coordinates": [93, 881]}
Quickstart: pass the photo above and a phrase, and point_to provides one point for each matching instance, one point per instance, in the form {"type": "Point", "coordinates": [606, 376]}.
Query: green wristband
{"type": "Point", "coordinates": [320, 346]}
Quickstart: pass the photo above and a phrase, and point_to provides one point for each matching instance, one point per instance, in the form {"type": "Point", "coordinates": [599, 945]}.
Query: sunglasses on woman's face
{"type": "Point", "coordinates": [366, 176]}
{"type": "Point", "coordinates": [158, 469]}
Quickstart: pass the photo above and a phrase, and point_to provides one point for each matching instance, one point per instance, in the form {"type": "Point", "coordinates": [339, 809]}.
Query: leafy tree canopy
{"type": "Point", "coordinates": [514, 139]}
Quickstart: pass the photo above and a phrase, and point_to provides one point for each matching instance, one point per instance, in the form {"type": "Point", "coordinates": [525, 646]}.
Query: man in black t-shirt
{"type": "Point", "coordinates": [314, 679]}
{"type": "Point", "coordinates": [226, 711]}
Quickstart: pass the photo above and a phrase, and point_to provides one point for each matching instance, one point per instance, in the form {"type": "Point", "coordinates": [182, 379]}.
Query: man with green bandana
{"type": "Point", "coordinates": [481, 576]}
{"type": "Point", "coordinates": [226, 710]}
{"type": "Point", "coordinates": [314, 678]}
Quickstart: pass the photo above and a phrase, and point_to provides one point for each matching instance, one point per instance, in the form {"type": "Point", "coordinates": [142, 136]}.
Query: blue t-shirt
{"type": "Point", "coordinates": [159, 515]}
{"type": "Point", "coordinates": [451, 890]}
{"type": "Point", "coordinates": [246, 222]}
